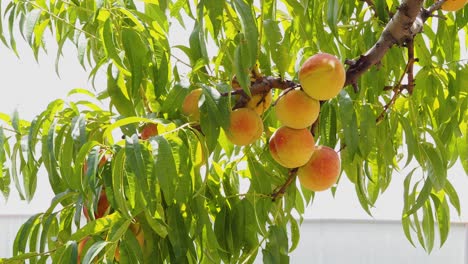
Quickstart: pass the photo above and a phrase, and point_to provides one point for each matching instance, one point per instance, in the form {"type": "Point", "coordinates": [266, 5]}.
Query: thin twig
{"type": "Point", "coordinates": [411, 61]}
{"type": "Point", "coordinates": [284, 187]}
{"type": "Point", "coordinates": [397, 89]}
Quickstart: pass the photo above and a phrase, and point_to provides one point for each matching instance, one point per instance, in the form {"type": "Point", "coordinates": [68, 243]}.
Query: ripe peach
{"type": "Point", "coordinates": [453, 5]}
{"type": "Point", "coordinates": [291, 147]}
{"type": "Point", "coordinates": [190, 105]}
{"type": "Point", "coordinates": [321, 171]}
{"type": "Point", "coordinates": [149, 130]}
{"type": "Point", "coordinates": [322, 76]}
{"type": "Point", "coordinates": [260, 102]}
{"type": "Point", "coordinates": [245, 127]}
{"type": "Point", "coordinates": [296, 109]}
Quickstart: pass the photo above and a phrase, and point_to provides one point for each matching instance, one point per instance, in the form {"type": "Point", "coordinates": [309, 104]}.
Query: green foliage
{"type": "Point", "coordinates": [198, 198]}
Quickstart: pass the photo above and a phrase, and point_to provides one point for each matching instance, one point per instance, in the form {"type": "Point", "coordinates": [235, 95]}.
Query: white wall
{"type": "Point", "coordinates": [370, 242]}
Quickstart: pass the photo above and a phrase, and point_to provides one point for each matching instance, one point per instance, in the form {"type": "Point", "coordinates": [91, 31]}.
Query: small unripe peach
{"type": "Point", "coordinates": [291, 147]}
{"type": "Point", "coordinates": [322, 76]}
{"type": "Point", "coordinates": [190, 105]}
{"type": "Point", "coordinates": [321, 171]}
{"type": "Point", "coordinates": [453, 5]}
{"type": "Point", "coordinates": [296, 109]}
{"type": "Point", "coordinates": [245, 127]}
{"type": "Point", "coordinates": [260, 102]}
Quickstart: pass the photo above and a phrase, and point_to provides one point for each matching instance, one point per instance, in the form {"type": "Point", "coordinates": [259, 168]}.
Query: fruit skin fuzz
{"type": "Point", "coordinates": [322, 76]}
{"type": "Point", "coordinates": [453, 5]}
{"type": "Point", "coordinates": [296, 109]}
{"type": "Point", "coordinates": [322, 170]}
{"type": "Point", "coordinates": [190, 105]}
{"type": "Point", "coordinates": [245, 127]}
{"type": "Point", "coordinates": [291, 147]}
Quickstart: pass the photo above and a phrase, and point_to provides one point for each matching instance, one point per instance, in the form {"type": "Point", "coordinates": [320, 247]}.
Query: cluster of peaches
{"type": "Point", "coordinates": [321, 78]}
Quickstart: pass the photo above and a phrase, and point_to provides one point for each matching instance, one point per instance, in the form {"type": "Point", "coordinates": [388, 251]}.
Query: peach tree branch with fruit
{"type": "Point", "coordinates": [208, 148]}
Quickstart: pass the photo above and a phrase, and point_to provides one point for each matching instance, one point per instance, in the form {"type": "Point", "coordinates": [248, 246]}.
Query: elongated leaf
{"type": "Point", "coordinates": [93, 251]}
{"type": "Point", "coordinates": [349, 123]}
{"type": "Point", "coordinates": [453, 196]}
{"type": "Point", "coordinates": [277, 246]}
{"type": "Point", "coordinates": [428, 226]}
{"type": "Point", "coordinates": [31, 19]}
{"type": "Point", "coordinates": [4, 172]}
{"type": "Point", "coordinates": [249, 30]}
{"type": "Point", "coordinates": [437, 169]}
{"type": "Point", "coordinates": [118, 174]}
{"type": "Point", "coordinates": [443, 216]}
{"type": "Point", "coordinates": [110, 48]}
{"type": "Point", "coordinates": [164, 167]}
{"type": "Point", "coordinates": [422, 198]}
{"type": "Point", "coordinates": [136, 54]}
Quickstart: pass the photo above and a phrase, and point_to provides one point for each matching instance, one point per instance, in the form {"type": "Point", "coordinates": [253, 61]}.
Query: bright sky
{"type": "Point", "coordinates": [29, 87]}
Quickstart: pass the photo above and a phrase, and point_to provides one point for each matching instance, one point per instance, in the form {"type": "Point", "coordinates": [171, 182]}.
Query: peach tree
{"type": "Point", "coordinates": [143, 172]}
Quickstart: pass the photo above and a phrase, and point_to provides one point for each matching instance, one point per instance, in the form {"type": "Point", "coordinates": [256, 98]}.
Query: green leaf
{"type": "Point", "coordinates": [136, 53]}
{"type": "Point", "coordinates": [349, 123]}
{"type": "Point", "coordinates": [367, 129]}
{"type": "Point", "coordinates": [437, 169]}
{"type": "Point", "coordinates": [223, 232]}
{"type": "Point", "coordinates": [242, 65]}
{"type": "Point", "coordinates": [136, 161]}
{"type": "Point", "coordinates": [216, 106]}
{"type": "Point", "coordinates": [31, 20]}
{"type": "Point", "coordinates": [453, 196]}
{"type": "Point", "coordinates": [4, 172]}
{"type": "Point", "coordinates": [118, 175]}
{"type": "Point", "coordinates": [328, 125]}
{"type": "Point", "coordinates": [332, 14]}
{"type": "Point", "coordinates": [245, 230]}
{"type": "Point", "coordinates": [178, 234]}
{"type": "Point", "coordinates": [422, 198]}
{"type": "Point", "coordinates": [428, 226]}
{"type": "Point", "coordinates": [110, 48]}
{"type": "Point", "coordinates": [93, 251]}
{"type": "Point", "coordinates": [443, 216]}
{"type": "Point", "coordinates": [295, 233]}
{"type": "Point", "coordinates": [249, 30]}
{"type": "Point", "coordinates": [97, 226]}
{"type": "Point", "coordinates": [21, 240]}
{"type": "Point", "coordinates": [118, 94]}
{"type": "Point", "coordinates": [2, 34]}
{"type": "Point", "coordinates": [276, 249]}
{"type": "Point", "coordinates": [164, 166]}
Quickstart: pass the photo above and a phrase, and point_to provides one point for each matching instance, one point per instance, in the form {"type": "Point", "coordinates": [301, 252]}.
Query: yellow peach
{"type": "Point", "coordinates": [291, 147]}
{"type": "Point", "coordinates": [453, 5]}
{"type": "Point", "coordinates": [321, 171]}
{"type": "Point", "coordinates": [245, 127]}
{"type": "Point", "coordinates": [190, 105]}
{"type": "Point", "coordinates": [296, 109]}
{"type": "Point", "coordinates": [322, 76]}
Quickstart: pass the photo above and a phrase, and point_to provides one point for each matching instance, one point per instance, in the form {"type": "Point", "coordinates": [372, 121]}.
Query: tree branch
{"type": "Point", "coordinates": [404, 25]}
{"type": "Point", "coordinates": [278, 194]}
{"type": "Point", "coordinates": [260, 85]}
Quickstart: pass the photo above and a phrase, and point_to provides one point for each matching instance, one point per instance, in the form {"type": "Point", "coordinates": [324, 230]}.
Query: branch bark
{"type": "Point", "coordinates": [404, 25]}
